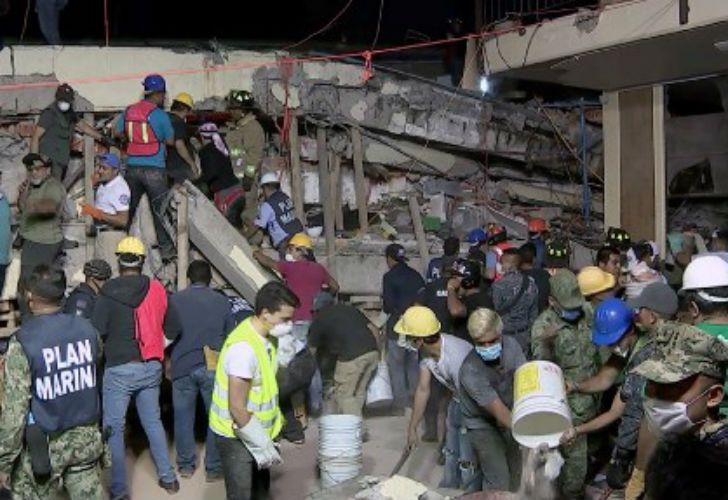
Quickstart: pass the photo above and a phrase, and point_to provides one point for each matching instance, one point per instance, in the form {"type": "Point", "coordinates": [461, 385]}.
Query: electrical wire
{"type": "Point", "coordinates": [25, 20]}
{"type": "Point", "coordinates": [379, 25]}
{"type": "Point", "coordinates": [324, 28]}
{"type": "Point", "coordinates": [106, 21]}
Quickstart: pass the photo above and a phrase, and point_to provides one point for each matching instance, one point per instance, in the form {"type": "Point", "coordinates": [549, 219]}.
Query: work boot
{"type": "Point", "coordinates": [213, 476]}
{"type": "Point", "coordinates": [171, 487]}
{"type": "Point", "coordinates": [186, 473]}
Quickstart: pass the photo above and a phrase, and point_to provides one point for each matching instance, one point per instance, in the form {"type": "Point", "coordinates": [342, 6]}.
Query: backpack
{"type": "Point", "coordinates": [140, 133]}
{"type": "Point", "coordinates": [149, 322]}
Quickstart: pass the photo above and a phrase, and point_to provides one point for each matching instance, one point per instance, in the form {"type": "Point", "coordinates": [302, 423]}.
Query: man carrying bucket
{"type": "Point", "coordinates": [442, 357]}
{"type": "Point", "coordinates": [561, 334]}
{"type": "Point", "coordinates": [486, 398]}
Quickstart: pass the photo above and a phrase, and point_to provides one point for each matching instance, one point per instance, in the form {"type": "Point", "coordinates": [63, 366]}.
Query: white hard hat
{"type": "Point", "coordinates": [708, 271]}
{"type": "Point", "coordinates": [270, 178]}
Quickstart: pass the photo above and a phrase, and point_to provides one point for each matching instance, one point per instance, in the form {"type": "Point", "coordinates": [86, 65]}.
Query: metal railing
{"type": "Point", "coordinates": [530, 11]}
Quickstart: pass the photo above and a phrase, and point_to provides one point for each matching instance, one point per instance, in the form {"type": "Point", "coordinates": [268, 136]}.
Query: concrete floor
{"type": "Point", "coordinates": [297, 477]}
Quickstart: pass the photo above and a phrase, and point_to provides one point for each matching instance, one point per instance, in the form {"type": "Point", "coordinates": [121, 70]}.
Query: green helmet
{"type": "Point", "coordinates": [565, 289]}
{"type": "Point", "coordinates": [241, 99]}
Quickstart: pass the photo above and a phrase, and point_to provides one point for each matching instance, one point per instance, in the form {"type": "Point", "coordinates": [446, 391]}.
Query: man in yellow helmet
{"type": "Point", "coordinates": [244, 414]}
{"type": "Point", "coordinates": [181, 163]}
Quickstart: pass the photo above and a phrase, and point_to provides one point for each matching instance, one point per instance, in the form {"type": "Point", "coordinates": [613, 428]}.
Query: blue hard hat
{"type": "Point", "coordinates": [612, 319]}
{"type": "Point", "coordinates": [154, 83]}
{"type": "Point", "coordinates": [110, 160]}
{"type": "Point", "coordinates": [476, 236]}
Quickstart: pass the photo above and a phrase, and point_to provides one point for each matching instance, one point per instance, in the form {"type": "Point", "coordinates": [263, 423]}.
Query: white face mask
{"type": "Point", "coordinates": [281, 329]}
{"type": "Point", "coordinates": [64, 106]}
{"type": "Point", "coordinates": [668, 417]}
{"type": "Point", "coordinates": [289, 258]}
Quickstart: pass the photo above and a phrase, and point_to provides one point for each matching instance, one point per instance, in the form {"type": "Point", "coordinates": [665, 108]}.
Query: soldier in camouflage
{"type": "Point", "coordinates": [51, 398]}
{"type": "Point", "coordinates": [561, 334]}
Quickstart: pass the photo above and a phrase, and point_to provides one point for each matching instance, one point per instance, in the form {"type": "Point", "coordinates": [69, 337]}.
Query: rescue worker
{"type": "Point", "coordinates": [619, 238]}
{"type": "Point", "coordinates": [442, 357]}
{"type": "Point", "coordinates": [557, 255]}
{"type": "Point", "coordinates": [82, 299]}
{"type": "Point", "coordinates": [110, 210]}
{"type": "Point", "coordinates": [486, 399]}
{"type": "Point", "coordinates": [277, 215]}
{"type": "Point", "coordinates": [56, 128]}
{"type": "Point", "coordinates": [527, 257]}
{"type": "Point", "coordinates": [609, 260]}
{"type": "Point", "coordinates": [149, 132]}
{"type": "Point", "coordinates": [49, 432]}
{"type": "Point", "coordinates": [596, 285]}
{"type": "Point", "coordinates": [466, 292]}
{"type": "Point", "coordinates": [439, 265]}
{"type": "Point", "coordinates": [244, 414]}
{"type": "Point", "coordinates": [5, 236]}
{"type": "Point", "coordinates": [497, 245]}
{"type": "Point", "coordinates": [40, 199]}
{"type": "Point", "coordinates": [562, 334]}
{"type": "Point", "coordinates": [246, 138]}
{"type": "Point", "coordinates": [537, 228]}
{"type": "Point", "coordinates": [181, 165]}
{"type": "Point", "coordinates": [400, 285]}
{"type": "Point", "coordinates": [130, 315]}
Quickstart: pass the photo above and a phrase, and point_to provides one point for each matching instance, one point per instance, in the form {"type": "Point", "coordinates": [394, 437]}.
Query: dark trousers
{"type": "Point", "coordinates": [32, 255]}
{"type": "Point", "coordinates": [243, 480]}
{"type": "Point", "coordinates": [3, 271]}
{"type": "Point", "coordinates": [153, 182]}
{"type": "Point", "coordinates": [438, 393]}
{"type": "Point", "coordinates": [291, 379]}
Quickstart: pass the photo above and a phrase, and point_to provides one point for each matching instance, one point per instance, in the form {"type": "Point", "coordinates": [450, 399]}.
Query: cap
{"type": "Point", "coordinates": [109, 160]}
{"type": "Point", "coordinates": [565, 289]}
{"type": "Point", "coordinates": [65, 93]}
{"type": "Point", "coordinates": [396, 252]}
{"type": "Point", "coordinates": [35, 160]}
{"type": "Point", "coordinates": [657, 297]}
{"type": "Point", "coordinates": [270, 178]}
{"type": "Point", "coordinates": [682, 352]}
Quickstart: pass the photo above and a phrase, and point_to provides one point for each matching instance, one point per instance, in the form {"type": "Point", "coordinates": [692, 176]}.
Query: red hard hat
{"type": "Point", "coordinates": [494, 229]}
{"type": "Point", "coordinates": [536, 226]}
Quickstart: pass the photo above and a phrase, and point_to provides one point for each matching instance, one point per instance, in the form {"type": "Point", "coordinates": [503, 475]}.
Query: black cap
{"type": "Point", "coordinates": [395, 251]}
{"type": "Point", "coordinates": [34, 159]}
{"type": "Point", "coordinates": [65, 93]}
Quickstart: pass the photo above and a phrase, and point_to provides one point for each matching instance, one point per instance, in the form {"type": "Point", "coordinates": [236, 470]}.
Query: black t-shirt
{"type": "Point", "coordinates": [434, 296]}
{"type": "Point", "coordinates": [177, 168]}
{"type": "Point", "coordinates": [217, 170]}
{"type": "Point", "coordinates": [541, 277]}
{"type": "Point", "coordinates": [472, 302]}
{"type": "Point", "coordinates": [341, 332]}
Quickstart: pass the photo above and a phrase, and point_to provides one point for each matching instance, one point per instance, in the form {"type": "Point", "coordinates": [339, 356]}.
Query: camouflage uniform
{"type": "Point", "coordinates": [74, 454]}
{"type": "Point", "coordinates": [246, 140]}
{"type": "Point", "coordinates": [569, 345]}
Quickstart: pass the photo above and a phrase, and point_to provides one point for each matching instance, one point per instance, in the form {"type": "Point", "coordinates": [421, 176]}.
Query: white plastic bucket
{"type": "Point", "coordinates": [540, 410]}
{"type": "Point", "coordinates": [340, 448]}
{"type": "Point", "coordinates": [379, 392]}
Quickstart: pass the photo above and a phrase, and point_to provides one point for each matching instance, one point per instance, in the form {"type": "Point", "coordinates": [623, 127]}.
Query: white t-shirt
{"type": "Point", "coordinates": [114, 196]}
{"type": "Point", "coordinates": [446, 370]}
{"type": "Point", "coordinates": [240, 361]}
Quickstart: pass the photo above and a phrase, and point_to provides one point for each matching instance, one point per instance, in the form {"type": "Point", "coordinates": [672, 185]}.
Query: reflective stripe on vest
{"type": "Point", "coordinates": [262, 400]}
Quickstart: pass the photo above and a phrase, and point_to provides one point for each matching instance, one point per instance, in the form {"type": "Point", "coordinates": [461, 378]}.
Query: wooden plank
{"type": "Point", "coordinates": [360, 180]}
{"type": "Point", "coordinates": [416, 214]}
{"type": "Point", "coordinates": [183, 238]}
{"type": "Point", "coordinates": [335, 162]}
{"type": "Point", "coordinates": [658, 126]}
{"type": "Point", "coordinates": [325, 195]}
{"type": "Point", "coordinates": [89, 161]}
{"type": "Point", "coordinates": [612, 160]}
{"type": "Point", "coordinates": [297, 190]}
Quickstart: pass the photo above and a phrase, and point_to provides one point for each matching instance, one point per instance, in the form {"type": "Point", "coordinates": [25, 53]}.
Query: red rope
{"type": "Point", "coordinates": [106, 21]}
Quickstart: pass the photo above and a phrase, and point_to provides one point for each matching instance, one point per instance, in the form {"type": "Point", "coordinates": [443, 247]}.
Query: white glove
{"type": "Point", "coordinates": [259, 444]}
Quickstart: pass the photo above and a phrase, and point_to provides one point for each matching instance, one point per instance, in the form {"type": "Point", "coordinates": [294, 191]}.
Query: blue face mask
{"type": "Point", "coordinates": [571, 314]}
{"type": "Point", "coordinates": [490, 353]}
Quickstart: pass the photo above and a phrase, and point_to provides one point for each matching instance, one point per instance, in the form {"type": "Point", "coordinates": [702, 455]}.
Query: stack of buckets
{"type": "Point", "coordinates": [541, 412]}
{"type": "Point", "coordinates": [340, 448]}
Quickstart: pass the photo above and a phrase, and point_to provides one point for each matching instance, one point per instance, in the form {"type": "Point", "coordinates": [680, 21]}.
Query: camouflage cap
{"type": "Point", "coordinates": [682, 351]}
{"type": "Point", "coordinates": [565, 289]}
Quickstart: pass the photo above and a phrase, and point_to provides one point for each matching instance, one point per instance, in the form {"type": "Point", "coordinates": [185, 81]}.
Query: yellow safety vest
{"type": "Point", "coordinates": [262, 400]}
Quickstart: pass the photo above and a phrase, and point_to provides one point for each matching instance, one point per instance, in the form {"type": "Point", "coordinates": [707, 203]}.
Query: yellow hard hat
{"type": "Point", "coordinates": [131, 245]}
{"type": "Point", "coordinates": [301, 240]}
{"type": "Point", "coordinates": [185, 99]}
{"type": "Point", "coordinates": [418, 321]}
{"type": "Point", "coordinates": [593, 280]}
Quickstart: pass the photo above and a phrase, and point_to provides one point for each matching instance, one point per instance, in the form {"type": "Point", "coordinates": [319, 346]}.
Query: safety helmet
{"type": "Point", "coordinates": [186, 99]}
{"type": "Point", "coordinates": [536, 225]}
{"type": "Point", "coordinates": [241, 99]}
{"type": "Point", "coordinates": [301, 240]}
{"type": "Point", "coordinates": [269, 178]}
{"type": "Point", "coordinates": [476, 236]}
{"type": "Point", "coordinates": [593, 280]}
{"type": "Point", "coordinates": [496, 235]}
{"type": "Point", "coordinates": [97, 268]}
{"type": "Point", "coordinates": [131, 245]}
{"type": "Point", "coordinates": [154, 83]}
{"type": "Point", "coordinates": [469, 271]}
{"type": "Point", "coordinates": [618, 238]}
{"type": "Point", "coordinates": [612, 319]}
{"type": "Point", "coordinates": [708, 271]}
{"type": "Point", "coordinates": [557, 254]}
{"type": "Point", "coordinates": [418, 321]}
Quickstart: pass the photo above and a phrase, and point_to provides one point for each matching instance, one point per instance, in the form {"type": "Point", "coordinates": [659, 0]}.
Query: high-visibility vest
{"type": "Point", "coordinates": [139, 131]}
{"type": "Point", "coordinates": [262, 399]}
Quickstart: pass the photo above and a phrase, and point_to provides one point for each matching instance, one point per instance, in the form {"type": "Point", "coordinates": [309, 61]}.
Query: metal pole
{"type": "Point", "coordinates": [585, 165]}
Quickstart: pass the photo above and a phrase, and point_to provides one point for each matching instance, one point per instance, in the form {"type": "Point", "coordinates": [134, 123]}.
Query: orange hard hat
{"type": "Point", "coordinates": [537, 226]}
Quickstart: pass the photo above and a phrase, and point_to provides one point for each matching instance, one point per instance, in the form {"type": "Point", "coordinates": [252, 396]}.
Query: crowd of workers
{"type": "Point", "coordinates": [644, 366]}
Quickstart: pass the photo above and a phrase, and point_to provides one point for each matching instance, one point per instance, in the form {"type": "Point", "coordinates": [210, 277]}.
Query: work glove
{"type": "Point", "coordinates": [636, 485]}
{"type": "Point", "coordinates": [259, 444]}
{"type": "Point", "coordinates": [87, 209]}
{"type": "Point", "coordinates": [108, 141]}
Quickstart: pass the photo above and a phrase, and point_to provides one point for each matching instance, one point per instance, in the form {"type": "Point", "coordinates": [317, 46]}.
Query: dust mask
{"type": "Point", "coordinates": [668, 417]}
{"type": "Point", "coordinates": [281, 329]}
{"type": "Point", "coordinates": [289, 258]}
{"type": "Point", "coordinates": [64, 106]}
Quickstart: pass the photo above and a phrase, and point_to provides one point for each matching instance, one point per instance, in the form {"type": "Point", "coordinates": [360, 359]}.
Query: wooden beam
{"type": "Point", "coordinates": [89, 158]}
{"type": "Point", "coordinates": [658, 125]}
{"type": "Point", "coordinates": [360, 180]}
{"type": "Point", "coordinates": [183, 238]}
{"type": "Point", "coordinates": [325, 196]}
{"type": "Point", "coordinates": [416, 214]}
{"type": "Point", "coordinates": [297, 190]}
{"type": "Point", "coordinates": [612, 160]}
{"type": "Point", "coordinates": [335, 162]}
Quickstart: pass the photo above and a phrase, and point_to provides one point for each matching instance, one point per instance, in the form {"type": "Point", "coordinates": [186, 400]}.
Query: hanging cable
{"type": "Point", "coordinates": [106, 21]}
{"type": "Point", "coordinates": [379, 25]}
{"type": "Point", "coordinates": [25, 20]}
{"type": "Point", "coordinates": [325, 27]}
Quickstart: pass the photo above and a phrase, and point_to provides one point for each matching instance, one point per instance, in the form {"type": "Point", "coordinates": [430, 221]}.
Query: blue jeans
{"type": "Point", "coordinates": [404, 372]}
{"type": "Point", "coordinates": [49, 12]}
{"type": "Point", "coordinates": [184, 398]}
{"type": "Point", "coordinates": [316, 388]}
{"type": "Point", "coordinates": [461, 465]}
{"type": "Point", "coordinates": [139, 381]}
